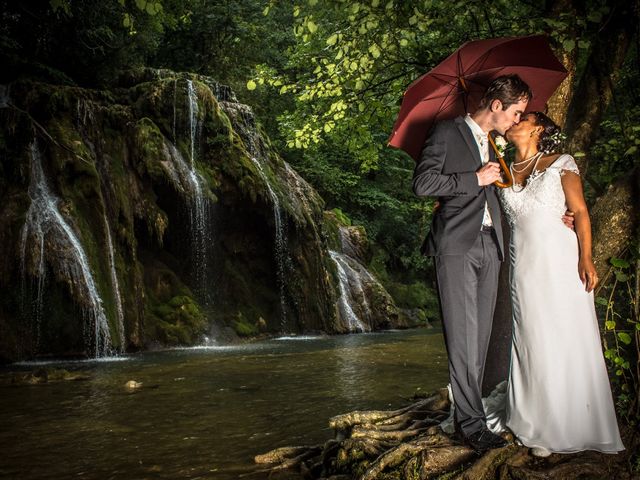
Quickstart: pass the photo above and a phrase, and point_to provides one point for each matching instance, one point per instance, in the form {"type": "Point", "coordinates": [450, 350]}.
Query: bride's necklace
{"type": "Point", "coordinates": [533, 174]}
{"type": "Point", "coordinates": [526, 162]}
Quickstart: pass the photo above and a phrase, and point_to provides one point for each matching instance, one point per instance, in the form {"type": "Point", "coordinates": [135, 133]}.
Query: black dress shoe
{"type": "Point", "coordinates": [484, 440]}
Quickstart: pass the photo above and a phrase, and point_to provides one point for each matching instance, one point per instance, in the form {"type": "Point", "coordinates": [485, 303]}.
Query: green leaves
{"type": "Point", "coordinates": [620, 336]}
{"type": "Point", "coordinates": [569, 45]}
{"type": "Point", "coordinates": [619, 262]}
{"type": "Point", "coordinates": [622, 277]}
{"type": "Point", "coordinates": [624, 338]}
{"type": "Point", "coordinates": [61, 5]}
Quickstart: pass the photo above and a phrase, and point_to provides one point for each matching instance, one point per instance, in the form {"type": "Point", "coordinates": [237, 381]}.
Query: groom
{"type": "Point", "coordinates": [456, 165]}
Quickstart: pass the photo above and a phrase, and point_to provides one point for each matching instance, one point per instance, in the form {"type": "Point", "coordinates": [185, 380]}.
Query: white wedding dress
{"type": "Point", "coordinates": [558, 392]}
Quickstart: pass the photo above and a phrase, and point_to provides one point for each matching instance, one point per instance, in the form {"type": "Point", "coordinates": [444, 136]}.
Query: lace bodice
{"type": "Point", "coordinates": [543, 191]}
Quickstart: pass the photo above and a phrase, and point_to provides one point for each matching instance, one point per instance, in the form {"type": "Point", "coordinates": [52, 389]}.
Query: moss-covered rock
{"type": "Point", "coordinates": [190, 221]}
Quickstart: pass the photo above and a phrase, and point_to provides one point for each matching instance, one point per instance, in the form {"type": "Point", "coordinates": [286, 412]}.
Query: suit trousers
{"type": "Point", "coordinates": [468, 286]}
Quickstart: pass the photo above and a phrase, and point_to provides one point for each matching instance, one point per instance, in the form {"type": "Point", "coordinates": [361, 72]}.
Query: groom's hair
{"type": "Point", "coordinates": [509, 89]}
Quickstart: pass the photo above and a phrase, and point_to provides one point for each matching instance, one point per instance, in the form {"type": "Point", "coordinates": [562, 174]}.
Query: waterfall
{"type": "Point", "coordinates": [193, 118]}
{"type": "Point", "coordinates": [223, 93]}
{"type": "Point", "coordinates": [244, 123]}
{"type": "Point", "coordinates": [350, 284]}
{"type": "Point", "coordinates": [43, 220]}
{"type": "Point", "coordinates": [187, 179]}
{"type": "Point", "coordinates": [175, 95]}
{"type": "Point", "coordinates": [280, 241]}
{"type": "Point", "coordinates": [116, 287]}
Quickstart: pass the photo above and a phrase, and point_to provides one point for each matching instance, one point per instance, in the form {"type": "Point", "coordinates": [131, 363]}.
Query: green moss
{"type": "Point", "coordinates": [415, 295]}
{"type": "Point", "coordinates": [331, 231]}
{"type": "Point", "coordinates": [243, 328]}
{"type": "Point", "coordinates": [149, 143]}
{"type": "Point", "coordinates": [172, 315]}
{"type": "Point", "coordinates": [179, 321]}
{"type": "Point", "coordinates": [342, 217]}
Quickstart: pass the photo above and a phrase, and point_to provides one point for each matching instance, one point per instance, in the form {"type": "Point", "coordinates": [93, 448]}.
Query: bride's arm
{"type": "Point", "coordinates": [572, 187]}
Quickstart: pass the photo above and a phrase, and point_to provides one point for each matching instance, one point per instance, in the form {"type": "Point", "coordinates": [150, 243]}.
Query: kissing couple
{"type": "Point", "coordinates": [557, 398]}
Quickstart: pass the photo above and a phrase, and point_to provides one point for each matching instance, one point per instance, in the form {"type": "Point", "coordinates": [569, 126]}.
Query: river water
{"type": "Point", "coordinates": [206, 412]}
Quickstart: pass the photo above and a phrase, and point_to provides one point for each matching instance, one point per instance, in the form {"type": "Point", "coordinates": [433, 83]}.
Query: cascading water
{"type": "Point", "coordinates": [280, 242]}
{"type": "Point", "coordinates": [175, 96]}
{"type": "Point", "coordinates": [193, 118]}
{"type": "Point", "coordinates": [44, 221]}
{"type": "Point", "coordinates": [244, 123]}
{"type": "Point", "coordinates": [116, 287]}
{"type": "Point", "coordinates": [187, 178]}
{"type": "Point", "coordinates": [85, 117]}
{"type": "Point", "coordinates": [347, 276]}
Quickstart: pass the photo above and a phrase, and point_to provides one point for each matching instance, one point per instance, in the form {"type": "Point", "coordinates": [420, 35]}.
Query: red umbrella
{"type": "Point", "coordinates": [456, 85]}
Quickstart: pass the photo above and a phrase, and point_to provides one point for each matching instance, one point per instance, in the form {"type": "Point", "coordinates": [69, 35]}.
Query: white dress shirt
{"type": "Point", "coordinates": [482, 141]}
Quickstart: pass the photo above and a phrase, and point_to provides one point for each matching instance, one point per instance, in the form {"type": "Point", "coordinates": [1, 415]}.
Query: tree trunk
{"type": "Point", "coordinates": [614, 219]}
{"type": "Point", "coordinates": [559, 101]}
{"type": "Point", "coordinates": [594, 91]}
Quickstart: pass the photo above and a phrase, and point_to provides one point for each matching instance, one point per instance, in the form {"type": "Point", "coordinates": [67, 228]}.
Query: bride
{"type": "Point", "coordinates": [558, 396]}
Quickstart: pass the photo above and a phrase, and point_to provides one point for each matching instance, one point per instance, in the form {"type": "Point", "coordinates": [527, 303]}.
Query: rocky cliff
{"type": "Point", "coordinates": [156, 213]}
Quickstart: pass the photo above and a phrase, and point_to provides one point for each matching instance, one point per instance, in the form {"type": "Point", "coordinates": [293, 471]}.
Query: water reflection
{"type": "Point", "coordinates": [205, 412]}
{"type": "Point", "coordinates": [84, 361]}
{"type": "Point", "coordinates": [351, 364]}
{"type": "Point", "coordinates": [301, 337]}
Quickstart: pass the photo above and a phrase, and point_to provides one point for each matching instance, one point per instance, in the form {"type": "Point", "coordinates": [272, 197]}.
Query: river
{"type": "Point", "coordinates": [205, 412]}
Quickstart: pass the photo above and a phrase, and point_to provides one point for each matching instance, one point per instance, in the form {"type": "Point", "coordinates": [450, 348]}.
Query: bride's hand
{"type": "Point", "coordinates": [588, 275]}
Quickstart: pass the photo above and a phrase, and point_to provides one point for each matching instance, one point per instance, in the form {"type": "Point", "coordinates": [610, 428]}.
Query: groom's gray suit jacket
{"type": "Point", "coordinates": [447, 170]}
{"type": "Point", "coordinates": [466, 263]}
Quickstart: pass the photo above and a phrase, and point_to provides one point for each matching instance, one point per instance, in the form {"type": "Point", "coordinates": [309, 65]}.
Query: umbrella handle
{"type": "Point", "coordinates": [503, 166]}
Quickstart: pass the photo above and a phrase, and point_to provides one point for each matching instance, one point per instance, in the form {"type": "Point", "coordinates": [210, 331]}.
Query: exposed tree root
{"type": "Point", "coordinates": [408, 444]}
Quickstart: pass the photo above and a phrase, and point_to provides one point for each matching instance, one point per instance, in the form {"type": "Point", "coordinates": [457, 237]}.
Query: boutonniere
{"type": "Point", "coordinates": [501, 144]}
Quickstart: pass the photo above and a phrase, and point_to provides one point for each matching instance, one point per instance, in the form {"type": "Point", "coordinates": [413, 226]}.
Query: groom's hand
{"type": "Point", "coordinates": [488, 174]}
{"type": "Point", "coordinates": [568, 219]}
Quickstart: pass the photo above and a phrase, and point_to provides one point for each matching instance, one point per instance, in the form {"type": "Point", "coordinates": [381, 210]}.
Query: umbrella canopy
{"type": "Point", "coordinates": [456, 85]}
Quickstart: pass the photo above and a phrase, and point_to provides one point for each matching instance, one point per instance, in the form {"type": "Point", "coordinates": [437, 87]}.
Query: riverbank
{"type": "Point", "coordinates": [408, 444]}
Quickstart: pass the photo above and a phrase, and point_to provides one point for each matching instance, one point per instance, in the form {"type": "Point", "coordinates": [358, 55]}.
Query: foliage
{"type": "Point", "coordinates": [354, 59]}
{"type": "Point", "coordinates": [91, 42]}
{"type": "Point", "coordinates": [380, 200]}
{"type": "Point", "coordinates": [619, 300]}
{"type": "Point", "coordinates": [225, 40]}
{"type": "Point", "coordinates": [617, 150]}
{"type": "Point", "coordinates": [346, 73]}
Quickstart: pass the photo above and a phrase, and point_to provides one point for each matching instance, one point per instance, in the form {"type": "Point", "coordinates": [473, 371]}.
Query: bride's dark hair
{"type": "Point", "coordinates": [551, 137]}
